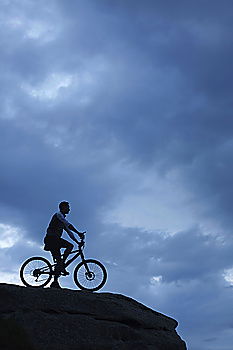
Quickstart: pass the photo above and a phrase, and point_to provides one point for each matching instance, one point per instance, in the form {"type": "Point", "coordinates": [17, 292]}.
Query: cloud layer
{"type": "Point", "coordinates": [124, 109]}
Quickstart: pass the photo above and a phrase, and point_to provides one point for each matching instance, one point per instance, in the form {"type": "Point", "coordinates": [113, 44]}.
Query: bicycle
{"type": "Point", "coordinates": [89, 274]}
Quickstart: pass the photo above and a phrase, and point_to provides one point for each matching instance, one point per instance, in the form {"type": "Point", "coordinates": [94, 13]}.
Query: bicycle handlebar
{"type": "Point", "coordinates": [83, 235]}
{"type": "Point", "coordinates": [82, 239]}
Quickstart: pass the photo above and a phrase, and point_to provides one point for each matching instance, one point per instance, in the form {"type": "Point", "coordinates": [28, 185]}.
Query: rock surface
{"type": "Point", "coordinates": [50, 319]}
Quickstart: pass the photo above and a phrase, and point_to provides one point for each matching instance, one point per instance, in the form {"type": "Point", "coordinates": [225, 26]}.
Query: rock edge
{"type": "Point", "coordinates": [65, 319]}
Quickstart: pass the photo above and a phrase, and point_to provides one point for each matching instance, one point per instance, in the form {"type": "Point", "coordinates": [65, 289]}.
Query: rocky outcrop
{"type": "Point", "coordinates": [50, 319]}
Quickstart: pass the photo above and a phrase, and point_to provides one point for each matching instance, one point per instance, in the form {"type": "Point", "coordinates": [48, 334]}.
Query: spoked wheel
{"type": "Point", "coordinates": [90, 275]}
{"type": "Point", "coordinates": [36, 272]}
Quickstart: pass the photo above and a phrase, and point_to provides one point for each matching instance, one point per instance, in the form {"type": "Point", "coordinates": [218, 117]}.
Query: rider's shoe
{"type": "Point", "coordinates": [60, 269]}
{"type": "Point", "coordinates": [55, 284]}
{"type": "Point", "coordinates": [63, 269]}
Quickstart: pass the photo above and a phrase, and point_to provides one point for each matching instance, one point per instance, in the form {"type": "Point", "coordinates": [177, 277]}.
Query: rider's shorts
{"type": "Point", "coordinates": [54, 243]}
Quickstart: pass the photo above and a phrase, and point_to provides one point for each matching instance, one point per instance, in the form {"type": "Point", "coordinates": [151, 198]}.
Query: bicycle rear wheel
{"type": "Point", "coordinates": [36, 272]}
{"type": "Point", "coordinates": [90, 275]}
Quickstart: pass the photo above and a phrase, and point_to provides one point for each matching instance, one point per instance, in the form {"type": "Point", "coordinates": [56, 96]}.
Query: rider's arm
{"type": "Point", "coordinates": [71, 227]}
{"type": "Point", "coordinates": [70, 233]}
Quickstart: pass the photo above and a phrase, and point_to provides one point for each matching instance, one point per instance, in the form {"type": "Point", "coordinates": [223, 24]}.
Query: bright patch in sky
{"type": "Point", "coordinates": [9, 235]}
{"type": "Point", "coordinates": [156, 279]}
{"type": "Point", "coordinates": [49, 89]}
{"type": "Point", "coordinates": [8, 277]}
{"type": "Point", "coordinates": [155, 204]}
{"type": "Point", "coordinates": [228, 276]}
{"type": "Point", "coordinates": [37, 30]}
{"type": "Point", "coordinates": [44, 28]}
{"type": "Point", "coordinates": [32, 29]}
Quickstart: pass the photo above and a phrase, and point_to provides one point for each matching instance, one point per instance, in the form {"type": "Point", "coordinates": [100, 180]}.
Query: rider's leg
{"type": "Point", "coordinates": [56, 254]}
{"type": "Point", "coordinates": [53, 245]}
{"type": "Point", "coordinates": [69, 246]}
{"type": "Point", "coordinates": [57, 244]}
{"type": "Point", "coordinates": [60, 266]}
{"type": "Point", "coordinates": [61, 260]}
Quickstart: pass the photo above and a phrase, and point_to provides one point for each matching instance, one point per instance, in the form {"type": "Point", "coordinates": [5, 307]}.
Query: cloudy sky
{"type": "Point", "coordinates": [124, 108]}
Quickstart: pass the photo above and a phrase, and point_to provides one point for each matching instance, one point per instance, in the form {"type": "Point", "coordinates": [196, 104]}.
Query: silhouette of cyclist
{"type": "Point", "coordinates": [53, 241]}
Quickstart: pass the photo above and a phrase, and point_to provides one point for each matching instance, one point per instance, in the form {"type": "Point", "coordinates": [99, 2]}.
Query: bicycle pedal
{"type": "Point", "coordinates": [65, 273]}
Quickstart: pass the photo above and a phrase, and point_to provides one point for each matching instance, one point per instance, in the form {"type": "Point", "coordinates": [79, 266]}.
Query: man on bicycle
{"type": "Point", "coordinates": [54, 242]}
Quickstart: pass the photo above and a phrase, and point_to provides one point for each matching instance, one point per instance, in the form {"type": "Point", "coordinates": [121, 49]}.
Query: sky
{"type": "Point", "coordinates": [124, 109]}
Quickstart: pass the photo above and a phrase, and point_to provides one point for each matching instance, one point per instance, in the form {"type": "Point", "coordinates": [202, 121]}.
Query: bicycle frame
{"type": "Point", "coordinates": [79, 253]}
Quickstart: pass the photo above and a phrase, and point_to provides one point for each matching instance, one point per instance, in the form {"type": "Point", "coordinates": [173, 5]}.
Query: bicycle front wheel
{"type": "Point", "coordinates": [36, 272]}
{"type": "Point", "coordinates": [90, 275]}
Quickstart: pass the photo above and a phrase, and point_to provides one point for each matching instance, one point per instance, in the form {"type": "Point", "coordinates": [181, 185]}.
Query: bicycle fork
{"type": "Point", "coordinates": [85, 264]}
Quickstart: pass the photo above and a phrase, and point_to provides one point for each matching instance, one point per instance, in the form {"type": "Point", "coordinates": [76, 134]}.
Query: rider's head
{"type": "Point", "coordinates": [64, 207]}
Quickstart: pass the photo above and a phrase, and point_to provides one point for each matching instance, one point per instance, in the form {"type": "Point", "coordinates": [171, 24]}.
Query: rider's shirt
{"type": "Point", "coordinates": [57, 224]}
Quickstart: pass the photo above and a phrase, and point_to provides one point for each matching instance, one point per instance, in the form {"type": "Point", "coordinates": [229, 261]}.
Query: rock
{"type": "Point", "coordinates": [64, 319]}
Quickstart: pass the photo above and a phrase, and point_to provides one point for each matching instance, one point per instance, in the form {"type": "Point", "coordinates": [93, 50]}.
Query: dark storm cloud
{"type": "Point", "coordinates": [191, 71]}
{"type": "Point", "coordinates": [190, 124]}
